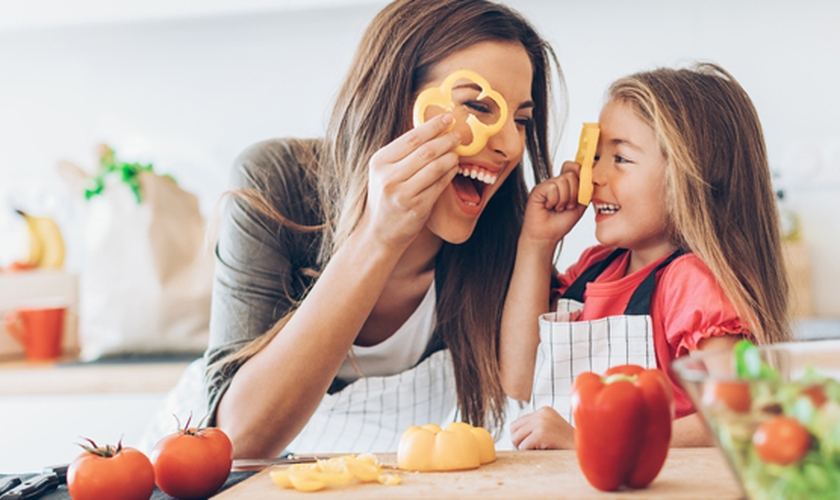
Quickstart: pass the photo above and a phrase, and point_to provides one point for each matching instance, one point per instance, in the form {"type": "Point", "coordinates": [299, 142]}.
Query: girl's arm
{"type": "Point", "coordinates": [274, 393]}
{"type": "Point", "coordinates": [551, 212]}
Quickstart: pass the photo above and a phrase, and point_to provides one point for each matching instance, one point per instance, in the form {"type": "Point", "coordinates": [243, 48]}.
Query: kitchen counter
{"type": "Point", "coordinates": [45, 408]}
{"type": "Point", "coordinates": [689, 473]}
{"type": "Point", "coordinates": [19, 377]}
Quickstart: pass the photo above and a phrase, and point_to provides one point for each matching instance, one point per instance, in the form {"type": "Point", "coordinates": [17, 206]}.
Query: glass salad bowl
{"type": "Point", "coordinates": [775, 412]}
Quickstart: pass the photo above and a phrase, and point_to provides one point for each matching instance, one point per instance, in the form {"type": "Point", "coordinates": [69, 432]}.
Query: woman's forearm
{"type": "Point", "coordinates": [274, 393]}
{"type": "Point", "coordinates": [527, 298]}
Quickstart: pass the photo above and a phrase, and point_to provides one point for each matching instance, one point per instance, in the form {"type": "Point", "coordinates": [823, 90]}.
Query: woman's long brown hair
{"type": "Point", "coordinates": [721, 201]}
{"type": "Point", "coordinates": [393, 62]}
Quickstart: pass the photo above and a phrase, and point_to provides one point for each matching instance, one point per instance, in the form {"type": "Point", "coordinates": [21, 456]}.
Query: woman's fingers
{"type": "Point", "coordinates": [415, 139]}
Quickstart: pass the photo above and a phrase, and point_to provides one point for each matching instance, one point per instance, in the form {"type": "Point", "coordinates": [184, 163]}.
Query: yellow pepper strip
{"type": "Point", "coordinates": [389, 479]}
{"type": "Point", "coordinates": [442, 96]}
{"type": "Point", "coordinates": [585, 157]}
{"type": "Point", "coordinates": [334, 471]}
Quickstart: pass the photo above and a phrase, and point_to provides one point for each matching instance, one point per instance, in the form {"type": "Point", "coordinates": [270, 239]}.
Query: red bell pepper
{"type": "Point", "coordinates": [623, 425]}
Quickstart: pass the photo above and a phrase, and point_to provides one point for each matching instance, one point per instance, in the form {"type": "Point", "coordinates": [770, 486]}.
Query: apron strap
{"type": "Point", "coordinates": [575, 291]}
{"type": "Point", "coordinates": [639, 304]}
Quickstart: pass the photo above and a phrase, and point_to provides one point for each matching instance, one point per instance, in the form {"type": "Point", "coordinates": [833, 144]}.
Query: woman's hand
{"type": "Point", "coordinates": [406, 178]}
{"type": "Point", "coordinates": [552, 209]}
{"type": "Point", "coordinates": [544, 429]}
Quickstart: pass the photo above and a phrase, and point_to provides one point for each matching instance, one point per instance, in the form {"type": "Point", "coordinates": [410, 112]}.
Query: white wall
{"type": "Point", "coordinates": [188, 93]}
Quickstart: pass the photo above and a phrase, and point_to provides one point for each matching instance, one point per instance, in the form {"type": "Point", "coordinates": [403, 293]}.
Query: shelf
{"type": "Point", "coordinates": [33, 14]}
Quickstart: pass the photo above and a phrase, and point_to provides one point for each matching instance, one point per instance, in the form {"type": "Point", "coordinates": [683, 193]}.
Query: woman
{"type": "Point", "coordinates": [360, 278]}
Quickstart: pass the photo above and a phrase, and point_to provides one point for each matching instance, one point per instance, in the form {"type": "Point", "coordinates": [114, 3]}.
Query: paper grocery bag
{"type": "Point", "coordinates": [146, 282]}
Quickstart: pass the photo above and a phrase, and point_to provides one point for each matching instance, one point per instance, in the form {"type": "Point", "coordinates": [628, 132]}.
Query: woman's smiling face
{"type": "Point", "coordinates": [630, 186]}
{"type": "Point", "coordinates": [508, 70]}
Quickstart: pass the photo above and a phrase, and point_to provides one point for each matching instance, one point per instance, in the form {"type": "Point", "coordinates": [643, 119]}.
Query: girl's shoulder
{"type": "Point", "coordinates": [688, 280]}
{"type": "Point", "coordinates": [687, 266]}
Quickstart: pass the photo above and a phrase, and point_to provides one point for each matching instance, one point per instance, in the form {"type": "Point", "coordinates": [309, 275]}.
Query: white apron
{"type": "Point", "coordinates": [370, 414]}
{"type": "Point", "coordinates": [569, 347]}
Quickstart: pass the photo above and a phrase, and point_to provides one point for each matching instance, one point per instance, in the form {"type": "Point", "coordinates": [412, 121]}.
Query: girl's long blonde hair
{"type": "Point", "coordinates": [393, 62]}
{"type": "Point", "coordinates": [721, 202]}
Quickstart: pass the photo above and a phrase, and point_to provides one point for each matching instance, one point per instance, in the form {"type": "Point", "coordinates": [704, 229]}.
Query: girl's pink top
{"type": "Point", "coordinates": [687, 305]}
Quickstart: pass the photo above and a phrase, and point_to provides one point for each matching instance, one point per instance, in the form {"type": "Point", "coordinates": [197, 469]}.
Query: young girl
{"type": "Point", "coordinates": [360, 277]}
{"type": "Point", "coordinates": [689, 255]}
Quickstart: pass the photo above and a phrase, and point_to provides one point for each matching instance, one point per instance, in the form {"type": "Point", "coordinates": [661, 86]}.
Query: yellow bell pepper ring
{"type": "Point", "coordinates": [586, 157]}
{"type": "Point", "coordinates": [458, 447]}
{"type": "Point", "coordinates": [442, 97]}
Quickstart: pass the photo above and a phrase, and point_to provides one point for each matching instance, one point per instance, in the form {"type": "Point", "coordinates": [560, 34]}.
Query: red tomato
{"type": "Point", "coordinates": [781, 440]}
{"type": "Point", "coordinates": [109, 472]}
{"type": "Point", "coordinates": [192, 463]}
{"type": "Point", "coordinates": [18, 266]}
{"type": "Point", "coordinates": [735, 395]}
{"type": "Point", "coordinates": [816, 393]}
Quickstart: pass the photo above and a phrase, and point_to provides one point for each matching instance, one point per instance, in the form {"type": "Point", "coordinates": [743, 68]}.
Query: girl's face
{"type": "Point", "coordinates": [508, 70]}
{"type": "Point", "coordinates": [629, 178]}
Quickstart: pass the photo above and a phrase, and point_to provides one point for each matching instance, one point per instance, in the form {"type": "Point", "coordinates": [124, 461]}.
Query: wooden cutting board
{"type": "Point", "coordinates": [689, 473]}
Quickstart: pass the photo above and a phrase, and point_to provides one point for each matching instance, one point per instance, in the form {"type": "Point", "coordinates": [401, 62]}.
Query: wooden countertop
{"type": "Point", "coordinates": [689, 473]}
{"type": "Point", "coordinates": [19, 377]}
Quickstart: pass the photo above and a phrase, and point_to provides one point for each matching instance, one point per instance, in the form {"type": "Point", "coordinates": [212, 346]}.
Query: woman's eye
{"type": "Point", "coordinates": [621, 159]}
{"type": "Point", "coordinates": [477, 106]}
{"type": "Point", "coordinates": [524, 121]}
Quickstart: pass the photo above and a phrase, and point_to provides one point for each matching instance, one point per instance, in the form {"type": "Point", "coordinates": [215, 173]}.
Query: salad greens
{"type": "Point", "coordinates": [813, 400]}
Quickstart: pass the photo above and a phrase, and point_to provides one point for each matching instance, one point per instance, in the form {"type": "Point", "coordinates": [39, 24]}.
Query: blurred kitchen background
{"type": "Point", "coordinates": [187, 84]}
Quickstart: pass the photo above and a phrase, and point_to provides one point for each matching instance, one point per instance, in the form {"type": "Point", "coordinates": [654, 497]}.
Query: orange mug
{"type": "Point", "coordinates": [39, 331]}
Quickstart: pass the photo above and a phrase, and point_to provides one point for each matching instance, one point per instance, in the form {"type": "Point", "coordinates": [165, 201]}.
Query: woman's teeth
{"type": "Point", "coordinates": [478, 174]}
{"type": "Point", "coordinates": [606, 208]}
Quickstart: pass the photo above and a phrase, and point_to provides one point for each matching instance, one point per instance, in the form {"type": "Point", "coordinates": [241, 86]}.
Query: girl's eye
{"type": "Point", "coordinates": [621, 159]}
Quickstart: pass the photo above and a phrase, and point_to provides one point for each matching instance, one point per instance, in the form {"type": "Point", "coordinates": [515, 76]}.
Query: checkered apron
{"type": "Point", "coordinates": [569, 347]}
{"type": "Point", "coordinates": [370, 414]}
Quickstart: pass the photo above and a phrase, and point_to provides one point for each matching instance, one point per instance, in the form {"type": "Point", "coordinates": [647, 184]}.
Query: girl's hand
{"type": "Point", "coordinates": [552, 209]}
{"type": "Point", "coordinates": [406, 177]}
{"type": "Point", "coordinates": [544, 429]}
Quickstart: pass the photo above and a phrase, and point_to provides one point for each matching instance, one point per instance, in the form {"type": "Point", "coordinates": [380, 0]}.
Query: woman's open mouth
{"type": "Point", "coordinates": [471, 182]}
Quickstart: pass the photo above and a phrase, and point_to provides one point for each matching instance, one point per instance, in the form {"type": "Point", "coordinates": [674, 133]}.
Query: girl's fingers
{"type": "Point", "coordinates": [571, 172]}
{"type": "Point", "coordinates": [412, 140]}
{"type": "Point", "coordinates": [570, 166]}
{"type": "Point", "coordinates": [557, 194]}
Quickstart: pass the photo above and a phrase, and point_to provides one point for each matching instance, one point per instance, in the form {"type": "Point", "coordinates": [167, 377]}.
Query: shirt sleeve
{"type": "Point", "coordinates": [257, 277]}
{"type": "Point", "coordinates": [697, 308]}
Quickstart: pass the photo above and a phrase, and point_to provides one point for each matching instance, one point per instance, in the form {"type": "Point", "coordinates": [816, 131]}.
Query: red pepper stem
{"type": "Point", "coordinates": [619, 377]}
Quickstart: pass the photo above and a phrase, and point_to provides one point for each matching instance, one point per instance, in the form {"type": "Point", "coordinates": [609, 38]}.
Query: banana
{"type": "Point", "coordinates": [46, 245]}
